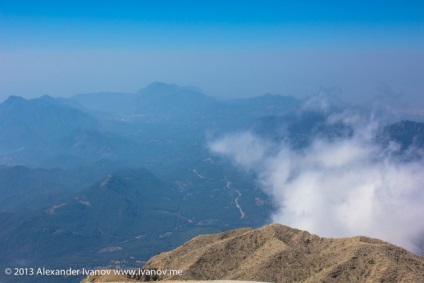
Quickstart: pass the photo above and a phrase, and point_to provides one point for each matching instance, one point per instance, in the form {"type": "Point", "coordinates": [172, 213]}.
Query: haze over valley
{"type": "Point", "coordinates": [128, 129]}
{"type": "Point", "coordinates": [94, 182]}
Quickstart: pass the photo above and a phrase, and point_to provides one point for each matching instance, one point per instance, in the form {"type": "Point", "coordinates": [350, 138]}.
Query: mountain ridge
{"type": "Point", "coordinates": [278, 253]}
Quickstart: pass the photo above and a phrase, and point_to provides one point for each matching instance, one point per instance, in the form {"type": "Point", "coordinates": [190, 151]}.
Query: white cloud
{"type": "Point", "coordinates": [340, 188]}
{"type": "Point", "coordinates": [244, 148]}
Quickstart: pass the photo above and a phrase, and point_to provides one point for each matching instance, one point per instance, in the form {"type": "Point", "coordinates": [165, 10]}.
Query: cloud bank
{"type": "Point", "coordinates": [337, 188]}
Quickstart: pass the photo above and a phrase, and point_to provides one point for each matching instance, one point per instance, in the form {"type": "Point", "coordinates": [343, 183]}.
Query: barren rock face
{"type": "Point", "coordinates": [277, 253]}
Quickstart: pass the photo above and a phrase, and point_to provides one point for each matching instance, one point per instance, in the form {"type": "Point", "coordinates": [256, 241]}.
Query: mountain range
{"type": "Point", "coordinates": [111, 179]}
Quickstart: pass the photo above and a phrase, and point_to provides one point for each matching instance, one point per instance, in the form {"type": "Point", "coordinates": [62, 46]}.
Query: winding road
{"type": "Point", "coordinates": [242, 214]}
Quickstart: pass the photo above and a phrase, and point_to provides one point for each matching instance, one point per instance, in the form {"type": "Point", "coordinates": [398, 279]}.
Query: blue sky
{"type": "Point", "coordinates": [226, 48]}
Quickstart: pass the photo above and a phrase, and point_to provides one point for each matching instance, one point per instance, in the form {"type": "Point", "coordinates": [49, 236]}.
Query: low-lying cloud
{"type": "Point", "coordinates": [337, 188]}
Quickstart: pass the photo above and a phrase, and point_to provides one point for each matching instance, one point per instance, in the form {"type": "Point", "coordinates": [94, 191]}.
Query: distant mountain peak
{"type": "Point", "coordinates": [13, 99]}
{"type": "Point", "coordinates": [46, 97]}
{"type": "Point", "coordinates": [158, 84]}
{"type": "Point", "coordinates": [268, 94]}
{"type": "Point", "coordinates": [275, 96]}
{"type": "Point", "coordinates": [11, 104]}
{"type": "Point", "coordinates": [46, 100]}
{"type": "Point", "coordinates": [161, 88]}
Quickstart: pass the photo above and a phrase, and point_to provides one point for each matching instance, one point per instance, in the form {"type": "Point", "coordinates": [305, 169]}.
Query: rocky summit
{"type": "Point", "coordinates": [277, 253]}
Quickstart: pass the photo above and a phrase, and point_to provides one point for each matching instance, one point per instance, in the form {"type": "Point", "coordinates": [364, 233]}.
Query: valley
{"type": "Point", "coordinates": [89, 183]}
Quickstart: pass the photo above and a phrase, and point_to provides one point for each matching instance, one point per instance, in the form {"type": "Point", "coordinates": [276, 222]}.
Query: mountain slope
{"type": "Point", "coordinates": [52, 132]}
{"type": "Point", "coordinates": [277, 253]}
{"type": "Point", "coordinates": [105, 101]}
{"type": "Point", "coordinates": [31, 130]}
{"type": "Point", "coordinates": [121, 210]}
{"type": "Point", "coordinates": [40, 118]}
{"type": "Point", "coordinates": [168, 100]}
{"type": "Point", "coordinates": [161, 102]}
{"type": "Point", "coordinates": [406, 133]}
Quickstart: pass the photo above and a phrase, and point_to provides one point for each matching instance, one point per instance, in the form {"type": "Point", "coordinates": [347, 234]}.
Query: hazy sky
{"type": "Point", "coordinates": [226, 48]}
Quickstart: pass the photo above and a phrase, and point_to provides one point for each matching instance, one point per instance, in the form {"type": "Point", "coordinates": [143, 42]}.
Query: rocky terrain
{"type": "Point", "coordinates": [277, 253]}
